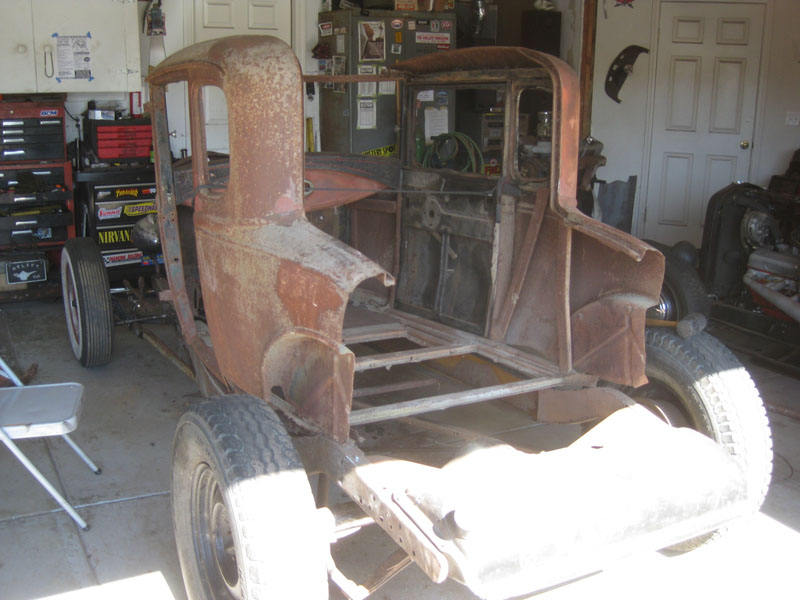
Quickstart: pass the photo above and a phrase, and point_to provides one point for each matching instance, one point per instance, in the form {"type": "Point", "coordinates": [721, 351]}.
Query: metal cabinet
{"type": "Point", "coordinates": [77, 46]}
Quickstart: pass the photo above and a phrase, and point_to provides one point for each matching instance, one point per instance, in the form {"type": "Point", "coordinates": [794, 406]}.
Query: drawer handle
{"type": "Point", "coordinates": [13, 131]}
{"type": "Point", "coordinates": [13, 123]}
{"type": "Point", "coordinates": [24, 223]}
{"type": "Point", "coordinates": [13, 140]}
{"type": "Point", "coordinates": [24, 198]}
{"type": "Point", "coordinates": [13, 152]}
{"type": "Point", "coordinates": [50, 122]}
{"type": "Point", "coordinates": [42, 172]}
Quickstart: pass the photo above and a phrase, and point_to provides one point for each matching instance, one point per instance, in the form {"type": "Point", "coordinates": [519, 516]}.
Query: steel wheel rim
{"type": "Point", "coordinates": [665, 403]}
{"type": "Point", "coordinates": [213, 536]}
{"type": "Point", "coordinates": [667, 307]}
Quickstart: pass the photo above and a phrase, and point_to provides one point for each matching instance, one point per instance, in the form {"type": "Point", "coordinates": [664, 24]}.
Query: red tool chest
{"type": "Point", "coordinates": [36, 198]}
{"type": "Point", "coordinates": [119, 140]}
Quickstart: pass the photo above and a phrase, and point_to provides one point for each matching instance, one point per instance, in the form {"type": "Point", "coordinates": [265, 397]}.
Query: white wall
{"type": "Point", "coordinates": [776, 141]}
{"type": "Point", "coordinates": [622, 127]}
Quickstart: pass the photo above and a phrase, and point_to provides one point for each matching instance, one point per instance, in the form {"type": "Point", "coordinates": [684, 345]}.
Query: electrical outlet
{"type": "Point", "coordinates": [792, 118]}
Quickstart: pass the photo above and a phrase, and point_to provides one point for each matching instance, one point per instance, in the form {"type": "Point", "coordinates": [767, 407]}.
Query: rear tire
{"type": "Point", "coordinates": [243, 511]}
{"type": "Point", "coordinates": [87, 302]}
{"type": "Point", "coordinates": [698, 383]}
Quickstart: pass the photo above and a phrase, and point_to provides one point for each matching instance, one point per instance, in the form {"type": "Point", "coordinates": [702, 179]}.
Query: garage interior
{"type": "Point", "coordinates": [133, 403]}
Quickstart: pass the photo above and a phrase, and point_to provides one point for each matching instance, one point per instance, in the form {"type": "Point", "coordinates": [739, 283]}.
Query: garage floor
{"type": "Point", "coordinates": [131, 407]}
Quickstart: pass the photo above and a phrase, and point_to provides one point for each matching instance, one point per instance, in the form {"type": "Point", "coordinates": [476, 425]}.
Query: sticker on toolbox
{"type": "Point", "coordinates": [108, 237]}
{"type": "Point", "coordinates": [26, 271]}
{"type": "Point", "coordinates": [145, 192]}
{"type": "Point", "coordinates": [140, 208]}
{"type": "Point", "coordinates": [50, 112]}
{"type": "Point", "coordinates": [149, 261]}
{"type": "Point", "coordinates": [131, 257]}
{"type": "Point", "coordinates": [105, 212]}
{"type": "Point", "coordinates": [115, 210]}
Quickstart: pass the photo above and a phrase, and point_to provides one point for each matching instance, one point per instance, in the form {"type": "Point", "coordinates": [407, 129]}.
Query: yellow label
{"type": "Point", "coordinates": [141, 208]}
{"type": "Point", "coordinates": [114, 236]}
{"type": "Point", "coordinates": [389, 150]}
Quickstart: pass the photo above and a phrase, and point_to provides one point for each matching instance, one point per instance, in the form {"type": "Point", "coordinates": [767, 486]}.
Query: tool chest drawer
{"type": "Point", "coordinates": [42, 224]}
{"type": "Point", "coordinates": [31, 131]}
{"type": "Point", "coordinates": [53, 129]}
{"type": "Point", "coordinates": [32, 185]}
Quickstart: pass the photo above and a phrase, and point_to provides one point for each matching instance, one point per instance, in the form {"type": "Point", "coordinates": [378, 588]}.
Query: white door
{"type": "Point", "coordinates": [221, 18]}
{"type": "Point", "coordinates": [707, 67]}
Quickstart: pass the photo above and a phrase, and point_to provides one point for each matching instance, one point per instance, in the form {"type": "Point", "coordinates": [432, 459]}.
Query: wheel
{"type": "Point", "coordinates": [682, 292]}
{"type": "Point", "coordinates": [698, 383]}
{"type": "Point", "coordinates": [87, 302]}
{"type": "Point", "coordinates": [243, 511]}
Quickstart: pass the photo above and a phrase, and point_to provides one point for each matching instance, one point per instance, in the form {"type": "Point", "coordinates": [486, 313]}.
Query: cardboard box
{"type": "Point", "coordinates": [405, 5]}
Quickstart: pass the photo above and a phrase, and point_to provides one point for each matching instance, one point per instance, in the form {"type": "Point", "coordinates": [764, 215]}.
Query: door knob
{"type": "Point", "coordinates": [744, 144]}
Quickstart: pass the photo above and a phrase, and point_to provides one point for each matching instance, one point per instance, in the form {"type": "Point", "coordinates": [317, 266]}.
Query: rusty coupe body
{"type": "Point", "coordinates": [324, 298]}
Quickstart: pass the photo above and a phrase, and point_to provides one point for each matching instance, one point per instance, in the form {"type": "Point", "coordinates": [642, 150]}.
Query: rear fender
{"type": "Point", "coordinates": [314, 375]}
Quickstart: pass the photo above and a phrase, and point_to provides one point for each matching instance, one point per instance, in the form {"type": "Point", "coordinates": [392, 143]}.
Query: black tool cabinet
{"type": "Point", "coordinates": [109, 203]}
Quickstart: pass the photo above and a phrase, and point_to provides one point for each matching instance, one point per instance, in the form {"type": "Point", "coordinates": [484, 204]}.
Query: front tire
{"type": "Point", "coordinates": [243, 511]}
{"type": "Point", "coordinates": [87, 302]}
{"type": "Point", "coordinates": [698, 383]}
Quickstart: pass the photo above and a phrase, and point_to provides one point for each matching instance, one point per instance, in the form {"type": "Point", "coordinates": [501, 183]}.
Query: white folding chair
{"type": "Point", "coordinates": [40, 411]}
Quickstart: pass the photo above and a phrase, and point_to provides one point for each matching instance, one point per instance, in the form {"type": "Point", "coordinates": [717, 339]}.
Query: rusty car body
{"type": "Point", "coordinates": [496, 282]}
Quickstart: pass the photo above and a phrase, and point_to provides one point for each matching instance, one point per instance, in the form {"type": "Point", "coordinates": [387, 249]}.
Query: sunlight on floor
{"type": "Point", "coordinates": [152, 586]}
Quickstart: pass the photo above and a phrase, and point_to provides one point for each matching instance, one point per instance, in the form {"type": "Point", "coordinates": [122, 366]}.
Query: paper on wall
{"type": "Point", "coordinates": [73, 57]}
{"type": "Point", "coordinates": [435, 122]}
{"type": "Point", "coordinates": [366, 114]}
{"type": "Point", "coordinates": [367, 88]}
{"type": "Point", "coordinates": [387, 88]}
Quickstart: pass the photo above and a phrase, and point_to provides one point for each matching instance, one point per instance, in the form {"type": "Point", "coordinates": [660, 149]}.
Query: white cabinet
{"type": "Point", "coordinates": [75, 46]}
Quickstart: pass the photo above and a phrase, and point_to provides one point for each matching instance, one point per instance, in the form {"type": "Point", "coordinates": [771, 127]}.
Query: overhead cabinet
{"type": "Point", "coordinates": [76, 46]}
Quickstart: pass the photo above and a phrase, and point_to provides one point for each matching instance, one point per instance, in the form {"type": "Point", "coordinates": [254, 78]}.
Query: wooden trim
{"type": "Point", "coordinates": [588, 40]}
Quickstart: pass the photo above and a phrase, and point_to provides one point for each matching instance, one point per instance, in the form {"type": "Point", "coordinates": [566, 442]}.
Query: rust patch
{"type": "Point", "coordinates": [306, 296]}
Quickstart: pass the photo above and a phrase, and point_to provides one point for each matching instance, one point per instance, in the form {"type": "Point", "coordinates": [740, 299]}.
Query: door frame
{"type": "Point", "coordinates": [760, 112]}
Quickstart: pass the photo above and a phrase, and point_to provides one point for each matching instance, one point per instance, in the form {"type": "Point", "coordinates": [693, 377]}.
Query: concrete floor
{"type": "Point", "coordinates": [131, 407]}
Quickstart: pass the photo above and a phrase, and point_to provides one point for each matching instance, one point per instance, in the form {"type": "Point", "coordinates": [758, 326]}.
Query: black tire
{"type": "Point", "coordinates": [87, 302]}
{"type": "Point", "coordinates": [682, 292]}
{"type": "Point", "coordinates": [243, 511]}
{"type": "Point", "coordinates": [698, 383]}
